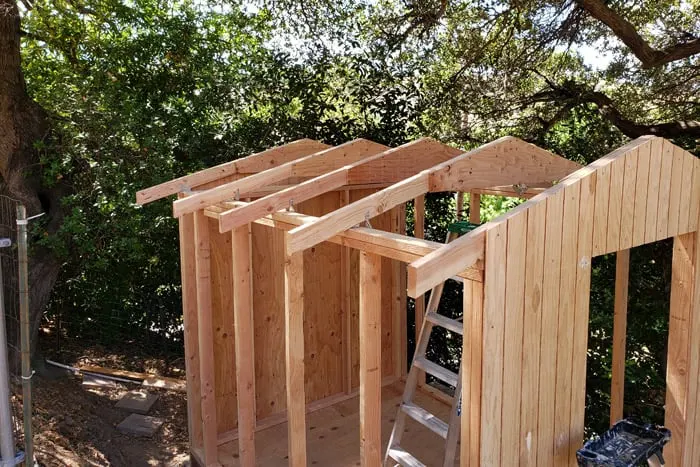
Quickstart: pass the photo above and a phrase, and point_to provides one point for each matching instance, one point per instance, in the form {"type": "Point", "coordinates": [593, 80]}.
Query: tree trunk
{"type": "Point", "coordinates": [23, 123]}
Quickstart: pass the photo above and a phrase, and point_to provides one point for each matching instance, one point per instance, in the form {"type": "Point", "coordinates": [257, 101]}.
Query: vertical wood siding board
{"type": "Point", "coordinates": [617, 175]}
{"type": "Point", "coordinates": [189, 308]}
{"type": "Point", "coordinates": [600, 215]}
{"type": "Point", "coordinates": [686, 194]}
{"type": "Point", "coordinates": [628, 199]}
{"type": "Point", "coordinates": [477, 352]}
{"type": "Point", "coordinates": [513, 337]}
{"type": "Point", "coordinates": [532, 312]}
{"type": "Point", "coordinates": [676, 191]}
{"type": "Point", "coordinates": [493, 325]}
{"type": "Point", "coordinates": [678, 346]}
{"type": "Point", "coordinates": [653, 190]}
{"type": "Point", "coordinates": [640, 210]}
{"type": "Point", "coordinates": [550, 304]}
{"type": "Point", "coordinates": [690, 448]}
{"type": "Point", "coordinates": [205, 338]}
{"type": "Point", "coordinates": [695, 197]}
{"type": "Point", "coordinates": [695, 460]}
{"type": "Point", "coordinates": [583, 293]}
{"type": "Point", "coordinates": [565, 333]}
{"type": "Point", "coordinates": [664, 190]}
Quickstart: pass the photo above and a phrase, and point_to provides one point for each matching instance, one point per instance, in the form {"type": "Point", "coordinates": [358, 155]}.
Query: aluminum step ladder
{"type": "Point", "coordinates": [449, 430]}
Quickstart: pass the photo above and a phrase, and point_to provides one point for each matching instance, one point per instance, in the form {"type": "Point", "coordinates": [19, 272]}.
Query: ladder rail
{"type": "Point", "coordinates": [416, 378]}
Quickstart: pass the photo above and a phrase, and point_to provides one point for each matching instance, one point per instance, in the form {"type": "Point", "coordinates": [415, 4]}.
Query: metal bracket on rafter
{"type": "Point", "coordinates": [368, 224]}
{"type": "Point", "coordinates": [520, 188]}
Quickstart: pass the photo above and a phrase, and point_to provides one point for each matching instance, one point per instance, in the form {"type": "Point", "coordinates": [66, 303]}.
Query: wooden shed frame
{"type": "Point", "coordinates": [559, 229]}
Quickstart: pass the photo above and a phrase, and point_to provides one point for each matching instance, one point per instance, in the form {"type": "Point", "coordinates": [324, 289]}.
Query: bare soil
{"type": "Point", "coordinates": [76, 425]}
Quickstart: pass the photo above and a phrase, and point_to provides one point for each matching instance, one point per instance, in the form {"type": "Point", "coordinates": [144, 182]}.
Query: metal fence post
{"type": "Point", "coordinates": [7, 444]}
{"type": "Point", "coordinates": [25, 333]}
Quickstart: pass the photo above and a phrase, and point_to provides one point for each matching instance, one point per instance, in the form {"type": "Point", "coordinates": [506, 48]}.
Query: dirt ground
{"type": "Point", "coordinates": [75, 425]}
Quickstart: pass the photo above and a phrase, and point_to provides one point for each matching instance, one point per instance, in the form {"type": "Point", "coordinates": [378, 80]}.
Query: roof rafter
{"type": "Point", "coordinates": [432, 269]}
{"type": "Point", "coordinates": [388, 167]}
{"type": "Point", "coordinates": [512, 162]}
{"type": "Point", "coordinates": [247, 165]}
{"type": "Point", "coordinates": [310, 165]}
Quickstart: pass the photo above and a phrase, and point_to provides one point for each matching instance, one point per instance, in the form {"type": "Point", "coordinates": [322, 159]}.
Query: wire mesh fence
{"type": "Point", "coordinates": [9, 266]}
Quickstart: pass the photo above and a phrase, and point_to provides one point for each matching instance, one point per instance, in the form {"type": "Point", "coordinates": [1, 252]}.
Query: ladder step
{"type": "Point", "coordinates": [404, 458]}
{"type": "Point", "coordinates": [436, 370]}
{"type": "Point", "coordinates": [425, 418]}
{"type": "Point", "coordinates": [445, 322]}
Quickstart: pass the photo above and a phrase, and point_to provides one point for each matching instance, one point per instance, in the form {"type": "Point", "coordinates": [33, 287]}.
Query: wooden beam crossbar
{"type": "Point", "coordinates": [247, 165]}
{"type": "Point", "coordinates": [388, 166]}
{"type": "Point", "coordinates": [387, 244]}
{"type": "Point", "coordinates": [433, 268]}
{"type": "Point", "coordinates": [311, 165]}
{"type": "Point", "coordinates": [505, 161]}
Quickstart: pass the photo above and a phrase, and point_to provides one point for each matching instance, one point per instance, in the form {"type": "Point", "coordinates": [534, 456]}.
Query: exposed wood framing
{"type": "Point", "coordinates": [458, 255]}
{"type": "Point", "coordinates": [311, 165]}
{"type": "Point", "coordinates": [388, 166]}
{"type": "Point", "coordinates": [370, 360]}
{"type": "Point", "coordinates": [526, 281]}
{"type": "Point", "coordinates": [475, 207]}
{"type": "Point", "coordinates": [617, 392]}
{"type": "Point", "coordinates": [205, 338]}
{"type": "Point", "coordinates": [294, 339]}
{"type": "Point", "coordinates": [463, 173]}
{"type": "Point", "coordinates": [506, 161]}
{"type": "Point", "coordinates": [419, 304]}
{"type": "Point", "coordinates": [245, 350]}
{"type": "Point", "coordinates": [245, 166]}
{"type": "Point", "coordinates": [346, 273]}
{"type": "Point", "coordinates": [386, 244]}
{"type": "Point", "coordinates": [188, 272]}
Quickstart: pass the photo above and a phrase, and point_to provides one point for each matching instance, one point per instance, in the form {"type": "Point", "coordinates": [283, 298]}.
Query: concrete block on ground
{"type": "Point", "coordinates": [140, 425]}
{"type": "Point", "coordinates": [137, 401]}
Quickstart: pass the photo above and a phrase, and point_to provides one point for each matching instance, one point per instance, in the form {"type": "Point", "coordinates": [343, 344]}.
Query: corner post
{"type": "Point", "coordinates": [245, 350]}
{"type": "Point", "coordinates": [294, 345]}
{"type": "Point", "coordinates": [206, 338]}
{"type": "Point", "coordinates": [617, 392]}
{"type": "Point", "coordinates": [370, 360]}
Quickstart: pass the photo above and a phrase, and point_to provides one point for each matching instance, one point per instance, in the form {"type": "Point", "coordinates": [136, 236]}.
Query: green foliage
{"type": "Point", "coordinates": [145, 92]}
{"type": "Point", "coordinates": [141, 92]}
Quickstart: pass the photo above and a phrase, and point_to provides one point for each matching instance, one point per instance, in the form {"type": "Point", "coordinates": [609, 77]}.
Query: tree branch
{"type": "Point", "coordinates": [576, 94]}
{"type": "Point", "coordinates": [627, 33]}
{"type": "Point", "coordinates": [634, 130]}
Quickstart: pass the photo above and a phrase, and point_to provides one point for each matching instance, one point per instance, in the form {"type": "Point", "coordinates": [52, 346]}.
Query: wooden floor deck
{"type": "Point", "coordinates": [333, 434]}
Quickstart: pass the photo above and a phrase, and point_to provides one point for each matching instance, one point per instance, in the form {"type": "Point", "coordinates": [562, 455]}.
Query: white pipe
{"type": "Point", "coordinates": [7, 444]}
{"type": "Point", "coordinates": [91, 373]}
